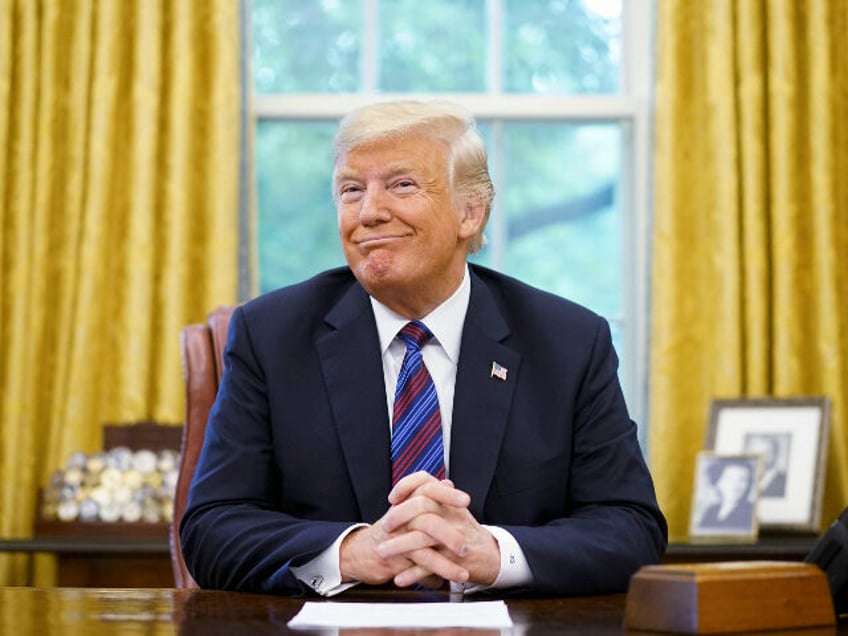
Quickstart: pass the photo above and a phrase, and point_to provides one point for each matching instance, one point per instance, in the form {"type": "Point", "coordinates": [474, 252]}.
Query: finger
{"type": "Point", "coordinates": [409, 484]}
{"type": "Point", "coordinates": [449, 531]}
{"type": "Point", "coordinates": [420, 506]}
{"type": "Point", "coordinates": [400, 544]}
{"type": "Point", "coordinates": [359, 558]}
{"type": "Point", "coordinates": [415, 574]}
{"type": "Point", "coordinates": [442, 492]}
{"type": "Point", "coordinates": [480, 554]}
{"type": "Point", "coordinates": [445, 493]}
{"type": "Point", "coordinates": [401, 514]}
{"type": "Point", "coordinates": [432, 561]}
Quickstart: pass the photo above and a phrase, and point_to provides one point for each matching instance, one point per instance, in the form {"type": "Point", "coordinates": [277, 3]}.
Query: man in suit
{"type": "Point", "coordinates": [546, 490]}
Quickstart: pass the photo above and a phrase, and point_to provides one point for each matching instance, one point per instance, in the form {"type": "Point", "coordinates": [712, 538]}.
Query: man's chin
{"type": "Point", "coordinates": [378, 269]}
{"type": "Point", "coordinates": [381, 287]}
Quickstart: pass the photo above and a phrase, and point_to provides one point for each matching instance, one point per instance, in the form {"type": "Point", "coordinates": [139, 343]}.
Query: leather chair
{"type": "Point", "coordinates": [202, 348]}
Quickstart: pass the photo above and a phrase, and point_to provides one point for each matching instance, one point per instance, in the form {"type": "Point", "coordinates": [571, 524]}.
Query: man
{"type": "Point", "coordinates": [547, 491]}
{"type": "Point", "coordinates": [770, 447]}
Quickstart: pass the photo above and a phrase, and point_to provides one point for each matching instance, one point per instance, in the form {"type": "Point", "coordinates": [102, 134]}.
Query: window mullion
{"type": "Point", "coordinates": [494, 46]}
{"type": "Point", "coordinates": [508, 106]}
{"type": "Point", "coordinates": [636, 174]}
{"type": "Point", "coordinates": [497, 228]}
{"type": "Point", "coordinates": [369, 60]}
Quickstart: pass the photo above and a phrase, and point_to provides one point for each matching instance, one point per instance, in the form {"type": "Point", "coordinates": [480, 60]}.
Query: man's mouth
{"type": "Point", "coordinates": [377, 241]}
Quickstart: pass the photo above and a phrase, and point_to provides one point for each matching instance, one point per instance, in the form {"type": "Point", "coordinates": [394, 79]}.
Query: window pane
{"type": "Point", "coordinates": [560, 222]}
{"type": "Point", "coordinates": [297, 217]}
{"type": "Point", "coordinates": [306, 47]}
{"type": "Point", "coordinates": [440, 48]}
{"type": "Point", "coordinates": [560, 47]}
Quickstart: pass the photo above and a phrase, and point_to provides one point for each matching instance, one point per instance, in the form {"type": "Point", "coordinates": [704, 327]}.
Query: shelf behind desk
{"type": "Point", "coordinates": [767, 548]}
{"type": "Point", "coordinates": [104, 560]}
{"type": "Point", "coordinates": [117, 554]}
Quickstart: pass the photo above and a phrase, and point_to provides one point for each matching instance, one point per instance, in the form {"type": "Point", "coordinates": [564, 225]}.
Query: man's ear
{"type": "Point", "coordinates": [472, 219]}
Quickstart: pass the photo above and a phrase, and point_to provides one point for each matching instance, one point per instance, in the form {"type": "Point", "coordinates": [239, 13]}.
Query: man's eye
{"type": "Point", "coordinates": [349, 192]}
{"type": "Point", "coordinates": [404, 185]}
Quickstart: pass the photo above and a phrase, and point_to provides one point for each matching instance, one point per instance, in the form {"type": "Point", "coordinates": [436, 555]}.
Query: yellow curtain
{"type": "Point", "coordinates": [750, 241]}
{"type": "Point", "coordinates": [119, 185]}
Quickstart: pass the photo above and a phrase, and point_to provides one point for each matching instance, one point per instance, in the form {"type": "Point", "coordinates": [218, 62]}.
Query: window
{"type": "Point", "coordinates": [560, 91]}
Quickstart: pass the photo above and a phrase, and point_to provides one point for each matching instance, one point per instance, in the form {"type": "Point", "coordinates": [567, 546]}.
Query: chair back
{"type": "Point", "coordinates": [202, 348]}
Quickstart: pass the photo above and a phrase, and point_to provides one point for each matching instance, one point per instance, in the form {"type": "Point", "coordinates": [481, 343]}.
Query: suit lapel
{"type": "Point", "coordinates": [482, 401]}
{"type": "Point", "coordinates": [353, 372]}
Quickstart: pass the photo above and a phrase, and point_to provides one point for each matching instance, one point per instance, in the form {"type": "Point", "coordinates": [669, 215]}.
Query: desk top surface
{"type": "Point", "coordinates": [169, 611]}
{"type": "Point", "coordinates": [163, 611]}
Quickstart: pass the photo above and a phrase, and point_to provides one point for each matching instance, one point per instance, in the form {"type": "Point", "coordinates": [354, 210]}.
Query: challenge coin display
{"type": "Point", "coordinates": [116, 485]}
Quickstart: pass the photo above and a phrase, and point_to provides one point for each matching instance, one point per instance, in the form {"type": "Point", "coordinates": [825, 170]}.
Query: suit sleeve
{"type": "Point", "coordinates": [233, 534]}
{"type": "Point", "coordinates": [611, 524]}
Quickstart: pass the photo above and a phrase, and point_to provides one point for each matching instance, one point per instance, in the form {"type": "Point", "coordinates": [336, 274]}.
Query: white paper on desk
{"type": "Point", "coordinates": [480, 614]}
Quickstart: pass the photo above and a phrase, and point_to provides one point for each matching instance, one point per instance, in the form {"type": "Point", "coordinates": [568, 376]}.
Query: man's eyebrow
{"type": "Point", "coordinates": [398, 167]}
{"type": "Point", "coordinates": [389, 170]}
{"type": "Point", "coordinates": [344, 173]}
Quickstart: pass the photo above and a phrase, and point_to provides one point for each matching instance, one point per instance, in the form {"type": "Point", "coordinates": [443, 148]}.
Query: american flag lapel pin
{"type": "Point", "coordinates": [498, 371]}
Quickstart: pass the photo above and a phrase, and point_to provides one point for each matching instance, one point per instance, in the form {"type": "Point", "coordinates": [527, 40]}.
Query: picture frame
{"type": "Point", "coordinates": [725, 498]}
{"type": "Point", "coordinates": [791, 435]}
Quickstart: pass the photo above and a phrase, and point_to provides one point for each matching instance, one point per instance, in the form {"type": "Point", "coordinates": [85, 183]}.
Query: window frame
{"type": "Point", "coordinates": [631, 108]}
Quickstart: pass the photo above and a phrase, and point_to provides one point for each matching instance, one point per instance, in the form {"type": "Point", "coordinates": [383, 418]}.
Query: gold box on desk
{"type": "Point", "coordinates": [735, 596]}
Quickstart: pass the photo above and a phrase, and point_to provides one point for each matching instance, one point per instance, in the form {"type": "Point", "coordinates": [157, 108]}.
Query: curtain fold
{"type": "Point", "coordinates": [120, 133]}
{"type": "Point", "coordinates": [750, 243]}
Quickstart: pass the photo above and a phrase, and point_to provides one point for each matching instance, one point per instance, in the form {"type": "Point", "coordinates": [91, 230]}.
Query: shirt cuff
{"type": "Point", "coordinates": [324, 573]}
{"type": "Point", "coordinates": [515, 571]}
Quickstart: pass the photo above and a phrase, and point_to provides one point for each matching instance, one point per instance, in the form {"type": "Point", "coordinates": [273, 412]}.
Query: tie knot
{"type": "Point", "coordinates": [415, 334]}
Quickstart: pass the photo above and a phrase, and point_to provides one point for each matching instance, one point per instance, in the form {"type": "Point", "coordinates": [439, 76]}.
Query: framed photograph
{"type": "Point", "coordinates": [724, 500]}
{"type": "Point", "coordinates": [791, 436]}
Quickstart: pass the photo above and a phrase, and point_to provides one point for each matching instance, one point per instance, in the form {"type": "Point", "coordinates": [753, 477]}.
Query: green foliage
{"type": "Point", "coordinates": [305, 46]}
{"type": "Point", "coordinates": [297, 217]}
{"type": "Point", "coordinates": [549, 46]}
{"type": "Point", "coordinates": [558, 47]}
{"type": "Point", "coordinates": [441, 49]}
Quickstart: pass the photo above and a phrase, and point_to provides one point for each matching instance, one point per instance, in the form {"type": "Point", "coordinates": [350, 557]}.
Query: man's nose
{"type": "Point", "coordinates": [374, 206]}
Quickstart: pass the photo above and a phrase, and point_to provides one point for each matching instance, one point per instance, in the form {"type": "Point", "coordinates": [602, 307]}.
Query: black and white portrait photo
{"type": "Point", "coordinates": [725, 496]}
{"type": "Point", "coordinates": [774, 448]}
{"type": "Point", "coordinates": [790, 436]}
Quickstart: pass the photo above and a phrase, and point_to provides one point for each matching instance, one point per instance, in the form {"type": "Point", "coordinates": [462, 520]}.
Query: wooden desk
{"type": "Point", "coordinates": [203, 612]}
{"type": "Point", "coordinates": [116, 561]}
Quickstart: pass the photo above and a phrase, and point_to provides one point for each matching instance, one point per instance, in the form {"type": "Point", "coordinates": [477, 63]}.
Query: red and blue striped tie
{"type": "Point", "coordinates": [416, 421]}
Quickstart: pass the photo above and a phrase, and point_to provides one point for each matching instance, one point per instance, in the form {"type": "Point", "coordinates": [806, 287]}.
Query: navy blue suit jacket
{"type": "Point", "coordinates": [297, 446]}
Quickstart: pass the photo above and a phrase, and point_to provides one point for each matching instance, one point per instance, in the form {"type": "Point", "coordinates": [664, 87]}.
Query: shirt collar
{"type": "Point", "coordinates": [445, 321]}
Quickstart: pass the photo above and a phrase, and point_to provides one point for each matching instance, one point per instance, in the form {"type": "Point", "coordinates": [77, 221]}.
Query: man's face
{"type": "Point", "coordinates": [403, 236]}
{"type": "Point", "coordinates": [734, 482]}
{"type": "Point", "coordinates": [764, 447]}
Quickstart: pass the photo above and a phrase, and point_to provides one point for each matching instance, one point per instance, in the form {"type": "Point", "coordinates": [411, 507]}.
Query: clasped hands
{"type": "Point", "coordinates": [427, 536]}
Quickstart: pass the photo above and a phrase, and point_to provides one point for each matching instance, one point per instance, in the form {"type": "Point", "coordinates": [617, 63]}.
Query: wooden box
{"type": "Point", "coordinates": [734, 596]}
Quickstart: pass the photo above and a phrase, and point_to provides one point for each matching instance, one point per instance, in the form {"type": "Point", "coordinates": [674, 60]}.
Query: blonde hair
{"type": "Point", "coordinates": [445, 121]}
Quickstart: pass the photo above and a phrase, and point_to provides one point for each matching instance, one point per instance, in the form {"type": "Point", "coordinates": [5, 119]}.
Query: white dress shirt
{"type": "Point", "coordinates": [441, 356]}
